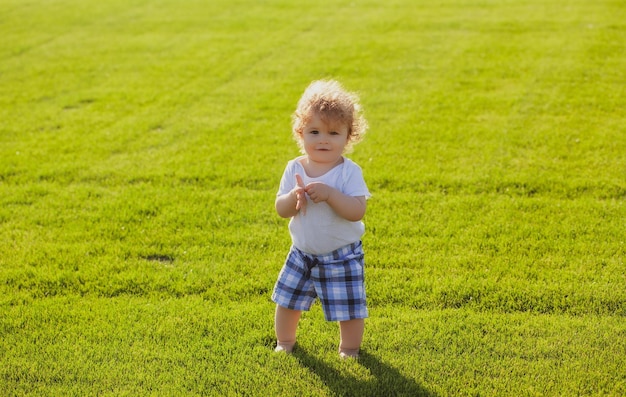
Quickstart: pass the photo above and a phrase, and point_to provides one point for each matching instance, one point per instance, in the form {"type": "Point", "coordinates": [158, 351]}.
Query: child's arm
{"type": "Point", "coordinates": [286, 204]}
{"type": "Point", "coordinates": [350, 208]}
{"type": "Point", "coordinates": [289, 204]}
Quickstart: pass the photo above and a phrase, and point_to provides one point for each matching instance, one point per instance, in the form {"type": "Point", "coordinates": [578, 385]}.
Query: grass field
{"type": "Point", "coordinates": [141, 147]}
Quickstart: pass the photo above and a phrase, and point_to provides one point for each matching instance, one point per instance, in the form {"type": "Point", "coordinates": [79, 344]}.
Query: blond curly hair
{"type": "Point", "coordinates": [329, 100]}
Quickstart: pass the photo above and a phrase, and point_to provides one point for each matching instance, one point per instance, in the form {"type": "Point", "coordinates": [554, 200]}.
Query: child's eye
{"type": "Point", "coordinates": [334, 133]}
{"type": "Point", "coordinates": [314, 132]}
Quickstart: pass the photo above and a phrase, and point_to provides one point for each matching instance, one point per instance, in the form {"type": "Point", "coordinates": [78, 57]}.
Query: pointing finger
{"type": "Point", "coordinates": [299, 180]}
{"type": "Point", "coordinates": [300, 196]}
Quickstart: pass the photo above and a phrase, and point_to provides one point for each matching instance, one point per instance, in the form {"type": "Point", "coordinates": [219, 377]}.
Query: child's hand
{"type": "Point", "coordinates": [300, 195]}
{"type": "Point", "coordinates": [318, 191]}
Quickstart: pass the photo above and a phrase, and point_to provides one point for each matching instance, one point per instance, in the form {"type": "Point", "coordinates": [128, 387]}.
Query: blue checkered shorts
{"type": "Point", "coordinates": [336, 278]}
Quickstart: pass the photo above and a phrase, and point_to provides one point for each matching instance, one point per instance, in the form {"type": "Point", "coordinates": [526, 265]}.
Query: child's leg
{"type": "Point", "coordinates": [285, 325]}
{"type": "Point", "coordinates": [351, 337]}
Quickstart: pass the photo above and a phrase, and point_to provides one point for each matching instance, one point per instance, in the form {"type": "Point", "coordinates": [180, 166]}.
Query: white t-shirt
{"type": "Point", "coordinates": [321, 230]}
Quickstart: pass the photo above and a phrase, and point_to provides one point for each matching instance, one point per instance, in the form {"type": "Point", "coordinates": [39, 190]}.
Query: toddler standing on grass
{"type": "Point", "coordinates": [324, 194]}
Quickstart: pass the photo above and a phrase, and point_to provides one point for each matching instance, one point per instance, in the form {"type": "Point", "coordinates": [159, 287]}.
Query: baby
{"type": "Point", "coordinates": [324, 194]}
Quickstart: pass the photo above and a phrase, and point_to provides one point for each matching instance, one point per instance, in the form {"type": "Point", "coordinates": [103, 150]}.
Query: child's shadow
{"type": "Point", "coordinates": [384, 381]}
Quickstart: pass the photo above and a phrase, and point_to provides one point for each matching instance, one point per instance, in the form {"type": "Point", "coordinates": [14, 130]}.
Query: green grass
{"type": "Point", "coordinates": [141, 148]}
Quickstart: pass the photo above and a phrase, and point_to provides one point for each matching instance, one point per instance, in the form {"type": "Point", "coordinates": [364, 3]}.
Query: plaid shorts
{"type": "Point", "coordinates": [336, 278]}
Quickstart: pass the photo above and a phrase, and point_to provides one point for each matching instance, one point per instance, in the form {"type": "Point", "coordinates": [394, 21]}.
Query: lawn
{"type": "Point", "coordinates": [141, 146]}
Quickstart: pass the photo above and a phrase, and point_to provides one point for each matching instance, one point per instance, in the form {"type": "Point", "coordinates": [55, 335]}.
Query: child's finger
{"type": "Point", "coordinates": [301, 204]}
{"type": "Point", "coordinates": [301, 196]}
{"type": "Point", "coordinates": [298, 201]}
{"type": "Point", "coordinates": [299, 181]}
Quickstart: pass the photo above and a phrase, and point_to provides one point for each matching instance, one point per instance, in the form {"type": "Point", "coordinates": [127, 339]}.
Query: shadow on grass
{"type": "Point", "coordinates": [384, 380]}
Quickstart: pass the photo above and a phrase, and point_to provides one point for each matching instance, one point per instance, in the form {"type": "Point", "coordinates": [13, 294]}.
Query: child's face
{"type": "Point", "coordinates": [324, 142]}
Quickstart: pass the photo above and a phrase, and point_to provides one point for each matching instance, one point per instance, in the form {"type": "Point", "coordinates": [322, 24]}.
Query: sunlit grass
{"type": "Point", "coordinates": [141, 148]}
